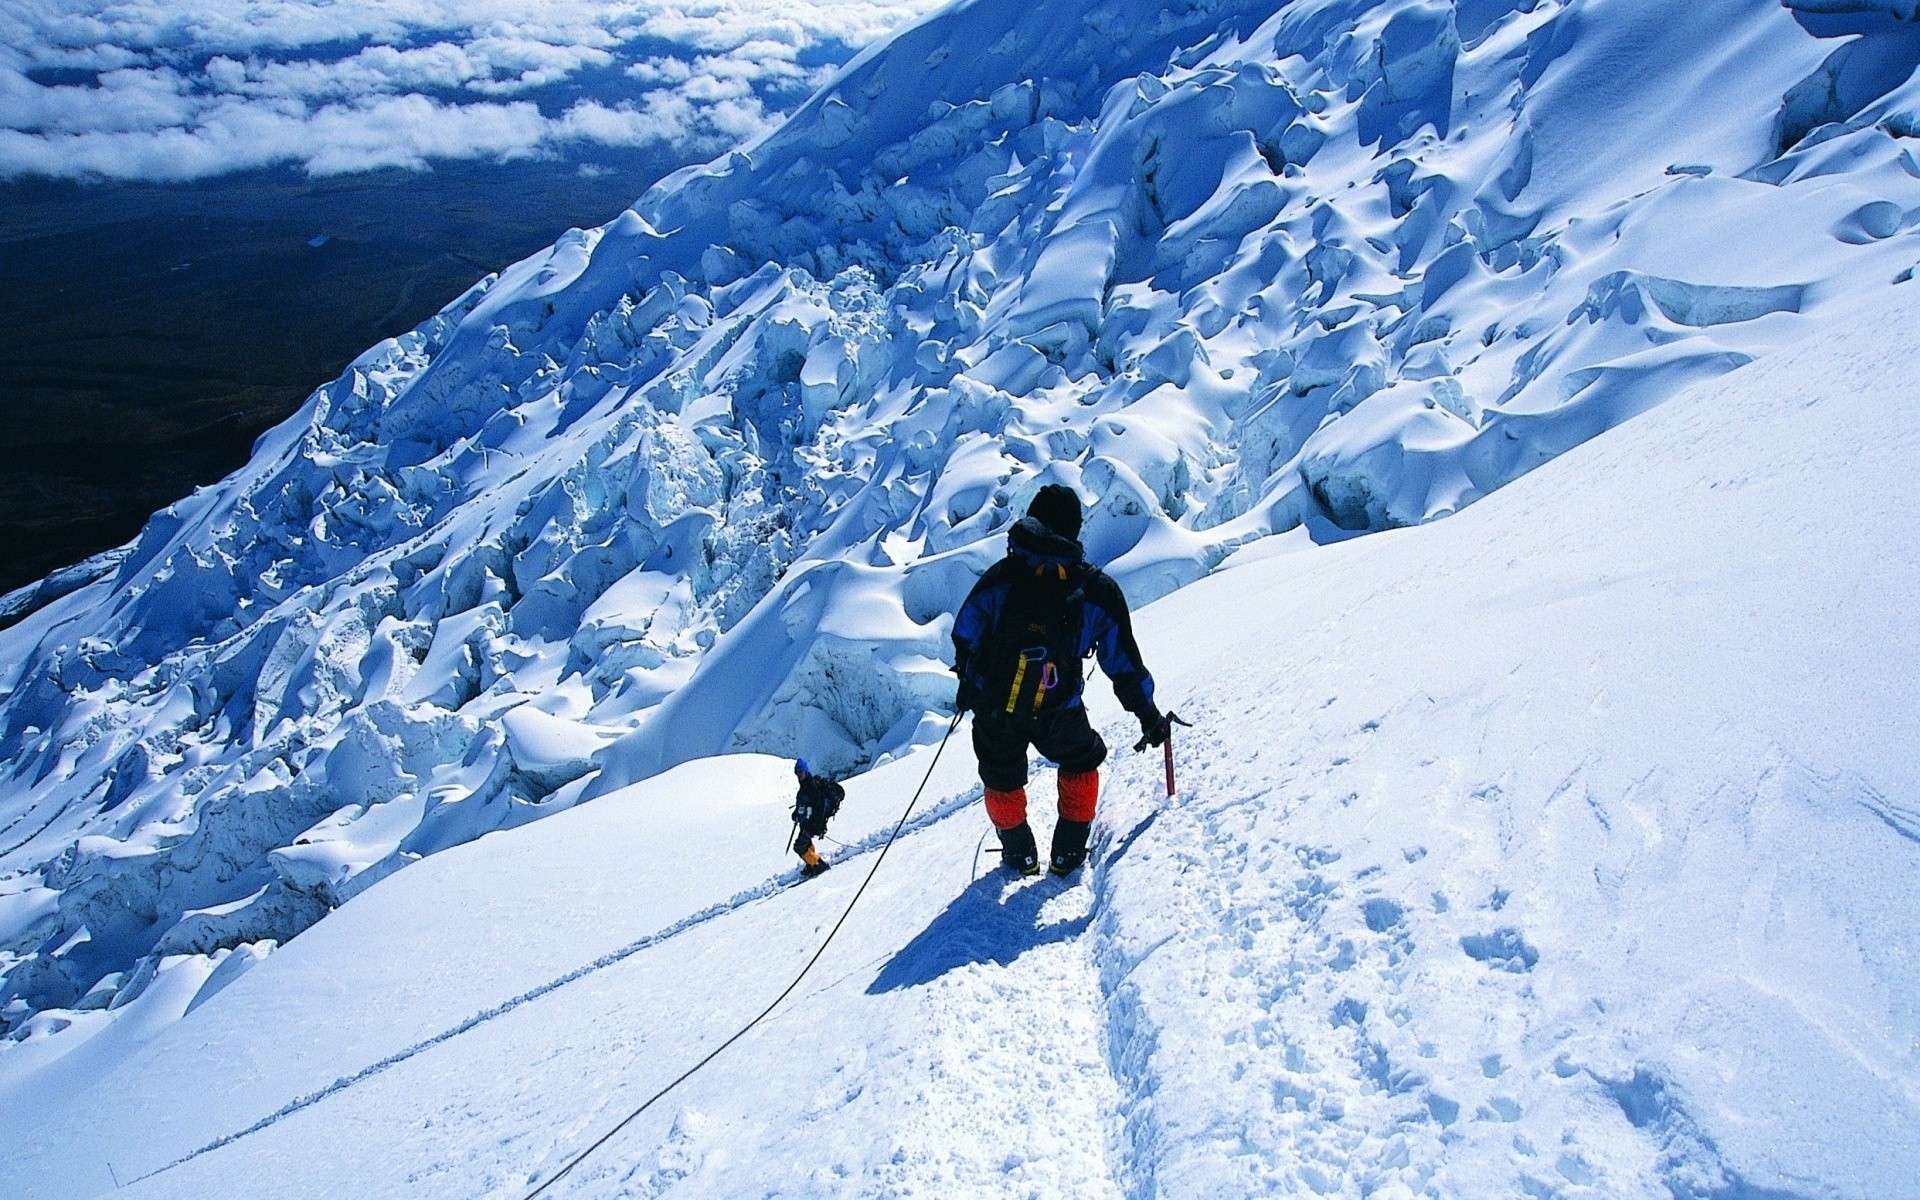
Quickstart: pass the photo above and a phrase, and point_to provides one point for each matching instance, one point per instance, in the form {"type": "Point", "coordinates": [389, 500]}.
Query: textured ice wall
{"type": "Point", "coordinates": [713, 477]}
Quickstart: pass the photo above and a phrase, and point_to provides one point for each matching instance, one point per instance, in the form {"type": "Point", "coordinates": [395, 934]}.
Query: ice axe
{"type": "Point", "coordinates": [1169, 720]}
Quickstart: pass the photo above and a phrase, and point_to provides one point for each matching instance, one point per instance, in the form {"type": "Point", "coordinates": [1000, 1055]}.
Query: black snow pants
{"type": "Point", "coordinates": [1063, 736]}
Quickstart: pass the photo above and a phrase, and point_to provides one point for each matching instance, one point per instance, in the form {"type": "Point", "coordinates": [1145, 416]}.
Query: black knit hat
{"type": "Point", "coordinates": [1058, 508]}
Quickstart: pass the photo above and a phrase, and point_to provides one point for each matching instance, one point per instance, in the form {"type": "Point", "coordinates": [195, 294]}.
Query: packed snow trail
{"type": "Point", "coordinates": [1063, 1124]}
{"type": "Point", "coordinates": [1045, 1134]}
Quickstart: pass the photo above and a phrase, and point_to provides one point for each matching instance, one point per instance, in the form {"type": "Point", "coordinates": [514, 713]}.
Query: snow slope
{"type": "Point", "coordinates": [1568, 847]}
{"type": "Point", "coordinates": [711, 478]}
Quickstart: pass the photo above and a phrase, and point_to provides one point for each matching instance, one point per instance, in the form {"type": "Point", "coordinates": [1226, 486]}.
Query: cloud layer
{"type": "Point", "coordinates": [163, 90]}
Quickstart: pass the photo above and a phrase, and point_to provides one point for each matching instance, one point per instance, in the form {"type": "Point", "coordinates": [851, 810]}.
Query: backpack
{"type": "Point", "coordinates": [1029, 661]}
{"type": "Point", "coordinates": [817, 803]}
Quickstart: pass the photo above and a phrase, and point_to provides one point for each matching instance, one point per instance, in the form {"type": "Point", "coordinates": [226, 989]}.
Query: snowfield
{"type": "Point", "coordinates": [392, 817]}
{"type": "Point", "coordinates": [1565, 848]}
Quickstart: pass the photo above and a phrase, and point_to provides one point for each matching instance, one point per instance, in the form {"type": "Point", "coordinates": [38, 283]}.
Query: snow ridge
{"type": "Point", "coordinates": [711, 477]}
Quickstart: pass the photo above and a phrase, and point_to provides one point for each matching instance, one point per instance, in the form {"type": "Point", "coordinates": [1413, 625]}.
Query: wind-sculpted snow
{"type": "Point", "coordinates": [712, 477]}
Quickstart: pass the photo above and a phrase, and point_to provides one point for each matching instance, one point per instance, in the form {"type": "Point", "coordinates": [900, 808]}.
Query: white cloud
{"type": "Point", "coordinates": [661, 70]}
{"type": "Point", "coordinates": [396, 131]}
{"type": "Point", "coordinates": [190, 88]}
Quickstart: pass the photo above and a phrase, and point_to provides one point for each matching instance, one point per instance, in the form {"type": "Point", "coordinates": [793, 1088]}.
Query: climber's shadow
{"type": "Point", "coordinates": [994, 920]}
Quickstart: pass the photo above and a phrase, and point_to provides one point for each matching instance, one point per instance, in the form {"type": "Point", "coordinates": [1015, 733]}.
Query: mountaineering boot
{"type": "Point", "coordinates": [1017, 850]}
{"type": "Point", "coordinates": [1069, 846]}
{"type": "Point", "coordinates": [811, 863]}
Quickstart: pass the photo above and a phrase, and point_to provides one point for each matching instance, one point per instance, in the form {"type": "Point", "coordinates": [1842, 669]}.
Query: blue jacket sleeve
{"type": "Point", "coordinates": [1109, 633]}
{"type": "Point", "coordinates": [971, 623]}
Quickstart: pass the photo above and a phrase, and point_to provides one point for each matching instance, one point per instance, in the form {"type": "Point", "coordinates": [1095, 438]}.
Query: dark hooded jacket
{"type": "Point", "coordinates": [1035, 552]}
{"type": "Point", "coordinates": [817, 801]}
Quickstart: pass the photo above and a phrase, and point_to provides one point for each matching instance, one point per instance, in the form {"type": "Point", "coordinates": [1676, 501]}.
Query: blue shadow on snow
{"type": "Point", "coordinates": [994, 920]}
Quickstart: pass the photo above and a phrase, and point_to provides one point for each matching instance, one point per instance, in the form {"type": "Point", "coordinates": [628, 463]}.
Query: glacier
{"type": "Point", "coordinates": [710, 479]}
{"type": "Point", "coordinates": [1564, 848]}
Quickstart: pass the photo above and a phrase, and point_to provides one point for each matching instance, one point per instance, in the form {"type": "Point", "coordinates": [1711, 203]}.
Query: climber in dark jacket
{"type": "Point", "coordinates": [815, 803]}
{"type": "Point", "coordinates": [1018, 644]}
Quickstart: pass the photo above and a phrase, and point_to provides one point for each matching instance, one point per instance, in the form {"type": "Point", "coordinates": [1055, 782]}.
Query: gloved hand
{"type": "Point", "coordinates": [965, 697]}
{"type": "Point", "coordinates": [1155, 728]}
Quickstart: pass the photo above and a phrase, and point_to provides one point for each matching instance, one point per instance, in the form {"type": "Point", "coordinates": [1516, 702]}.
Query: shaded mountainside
{"type": "Point", "coordinates": [154, 331]}
{"type": "Point", "coordinates": [711, 478]}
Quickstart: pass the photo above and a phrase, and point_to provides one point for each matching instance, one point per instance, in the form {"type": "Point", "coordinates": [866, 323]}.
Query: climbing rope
{"type": "Point", "coordinates": [604, 1138]}
{"type": "Point", "coordinates": [979, 848]}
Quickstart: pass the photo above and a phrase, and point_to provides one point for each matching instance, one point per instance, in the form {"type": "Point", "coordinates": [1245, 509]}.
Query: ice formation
{"type": "Point", "coordinates": [711, 477]}
{"type": "Point", "coordinates": [1564, 849]}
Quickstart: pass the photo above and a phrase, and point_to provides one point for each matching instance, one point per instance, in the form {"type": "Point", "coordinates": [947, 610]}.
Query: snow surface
{"type": "Point", "coordinates": [1565, 848]}
{"type": "Point", "coordinates": [711, 479]}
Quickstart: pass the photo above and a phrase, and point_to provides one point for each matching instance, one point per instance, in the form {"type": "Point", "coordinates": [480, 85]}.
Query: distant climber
{"type": "Point", "coordinates": [1018, 643]}
{"type": "Point", "coordinates": [815, 804]}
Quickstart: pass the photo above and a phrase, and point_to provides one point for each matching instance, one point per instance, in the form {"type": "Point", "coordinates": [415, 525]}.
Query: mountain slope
{"type": "Point", "coordinates": [1564, 848]}
{"type": "Point", "coordinates": [711, 478]}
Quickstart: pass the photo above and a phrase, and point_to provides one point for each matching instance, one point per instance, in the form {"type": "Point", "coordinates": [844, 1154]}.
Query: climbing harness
{"type": "Point", "coordinates": [604, 1138]}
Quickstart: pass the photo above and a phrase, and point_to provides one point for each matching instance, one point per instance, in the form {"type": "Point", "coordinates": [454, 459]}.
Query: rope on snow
{"type": "Point", "coordinates": [766, 1012]}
